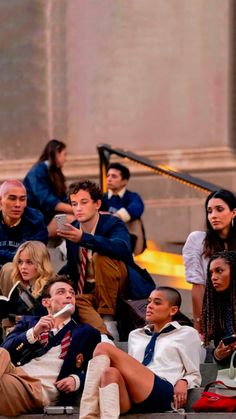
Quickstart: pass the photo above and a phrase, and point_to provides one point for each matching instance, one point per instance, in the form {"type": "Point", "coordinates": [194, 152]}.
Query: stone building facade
{"type": "Point", "coordinates": [155, 77]}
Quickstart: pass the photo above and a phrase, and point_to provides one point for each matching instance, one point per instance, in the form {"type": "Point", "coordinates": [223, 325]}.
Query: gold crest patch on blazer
{"type": "Point", "coordinates": [79, 360]}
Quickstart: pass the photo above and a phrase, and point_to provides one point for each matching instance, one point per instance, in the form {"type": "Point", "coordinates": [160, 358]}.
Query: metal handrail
{"type": "Point", "coordinates": [105, 151]}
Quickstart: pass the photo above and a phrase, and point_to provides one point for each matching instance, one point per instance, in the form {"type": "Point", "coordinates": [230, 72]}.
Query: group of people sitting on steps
{"type": "Point", "coordinates": [60, 330]}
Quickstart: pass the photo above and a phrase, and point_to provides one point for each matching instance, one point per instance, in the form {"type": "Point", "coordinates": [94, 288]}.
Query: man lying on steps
{"type": "Point", "coordinates": [49, 355]}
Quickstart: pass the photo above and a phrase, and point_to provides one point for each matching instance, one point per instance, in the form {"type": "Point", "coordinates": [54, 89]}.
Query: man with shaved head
{"type": "Point", "coordinates": [18, 223]}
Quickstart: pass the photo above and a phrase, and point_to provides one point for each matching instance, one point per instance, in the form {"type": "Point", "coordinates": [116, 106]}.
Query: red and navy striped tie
{"type": "Point", "coordinates": [84, 254]}
{"type": "Point", "coordinates": [65, 342]}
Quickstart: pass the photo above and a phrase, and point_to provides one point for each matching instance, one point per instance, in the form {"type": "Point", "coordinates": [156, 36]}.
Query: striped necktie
{"type": "Point", "coordinates": [44, 338]}
{"type": "Point", "coordinates": [149, 350]}
{"type": "Point", "coordinates": [65, 342]}
{"type": "Point", "coordinates": [83, 263]}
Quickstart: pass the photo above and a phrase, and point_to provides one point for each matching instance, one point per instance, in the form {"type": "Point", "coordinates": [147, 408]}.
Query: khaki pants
{"type": "Point", "coordinates": [19, 393]}
{"type": "Point", "coordinates": [5, 287]}
{"type": "Point", "coordinates": [110, 280]}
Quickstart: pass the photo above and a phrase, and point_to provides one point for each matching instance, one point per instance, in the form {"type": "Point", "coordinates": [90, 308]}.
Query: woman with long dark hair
{"type": "Point", "coordinates": [220, 234]}
{"type": "Point", "coordinates": [45, 184]}
{"type": "Point", "coordinates": [219, 304]}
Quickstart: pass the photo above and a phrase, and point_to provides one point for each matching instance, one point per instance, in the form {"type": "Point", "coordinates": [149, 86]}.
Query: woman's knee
{"type": "Point", "coordinates": [110, 375]}
{"type": "Point", "coordinates": [103, 348]}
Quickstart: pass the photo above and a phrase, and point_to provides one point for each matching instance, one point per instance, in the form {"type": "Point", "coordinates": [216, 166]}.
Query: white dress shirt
{"type": "Point", "coordinates": [176, 353]}
{"type": "Point", "coordinates": [194, 261]}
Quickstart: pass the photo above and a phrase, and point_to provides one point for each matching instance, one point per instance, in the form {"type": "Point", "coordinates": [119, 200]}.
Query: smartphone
{"type": "Point", "coordinates": [229, 339]}
{"type": "Point", "coordinates": [61, 220]}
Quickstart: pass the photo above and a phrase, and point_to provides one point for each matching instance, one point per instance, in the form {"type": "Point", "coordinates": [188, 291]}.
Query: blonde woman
{"type": "Point", "coordinates": [32, 267]}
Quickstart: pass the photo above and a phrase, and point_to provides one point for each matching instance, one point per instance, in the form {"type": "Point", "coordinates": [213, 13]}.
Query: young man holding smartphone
{"type": "Point", "coordinates": [100, 274]}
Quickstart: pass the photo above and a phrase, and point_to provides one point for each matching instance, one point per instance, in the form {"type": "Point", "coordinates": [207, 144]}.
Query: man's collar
{"type": "Point", "coordinates": [94, 227]}
{"type": "Point", "coordinates": [62, 325]}
{"type": "Point", "coordinates": [150, 327]}
{"type": "Point", "coordinates": [120, 194]}
{"type": "Point", "coordinates": [13, 225]}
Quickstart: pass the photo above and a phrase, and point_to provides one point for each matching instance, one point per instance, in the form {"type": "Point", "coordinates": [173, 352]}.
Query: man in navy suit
{"type": "Point", "coordinates": [49, 354]}
{"type": "Point", "coordinates": [125, 204]}
{"type": "Point", "coordinates": [107, 240]}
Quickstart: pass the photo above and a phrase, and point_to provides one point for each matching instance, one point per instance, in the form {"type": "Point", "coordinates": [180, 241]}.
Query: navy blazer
{"type": "Point", "coordinates": [111, 239]}
{"type": "Point", "coordinates": [84, 340]}
{"type": "Point", "coordinates": [131, 201]}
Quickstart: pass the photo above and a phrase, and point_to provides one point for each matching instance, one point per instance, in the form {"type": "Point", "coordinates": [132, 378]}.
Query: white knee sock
{"type": "Point", "coordinates": [89, 407]}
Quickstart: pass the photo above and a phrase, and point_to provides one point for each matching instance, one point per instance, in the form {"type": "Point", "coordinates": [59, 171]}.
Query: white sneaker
{"type": "Point", "coordinates": [111, 326]}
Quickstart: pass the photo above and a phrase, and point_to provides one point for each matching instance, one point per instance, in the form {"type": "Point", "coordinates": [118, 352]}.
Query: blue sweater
{"type": "Point", "coordinates": [131, 201]}
{"type": "Point", "coordinates": [40, 191]}
{"type": "Point", "coordinates": [31, 227]}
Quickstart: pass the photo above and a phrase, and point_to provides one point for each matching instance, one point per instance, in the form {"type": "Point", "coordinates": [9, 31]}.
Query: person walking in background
{"type": "Point", "coordinates": [220, 234]}
{"type": "Point", "coordinates": [162, 364]}
{"type": "Point", "coordinates": [46, 187]}
{"type": "Point", "coordinates": [126, 205]}
{"type": "Point", "coordinates": [219, 305]}
{"type": "Point", "coordinates": [18, 222]}
{"type": "Point", "coordinates": [32, 267]}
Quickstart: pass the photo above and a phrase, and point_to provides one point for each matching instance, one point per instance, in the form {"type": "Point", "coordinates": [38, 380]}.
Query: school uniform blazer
{"type": "Point", "coordinates": [111, 239]}
{"type": "Point", "coordinates": [84, 340]}
{"type": "Point", "coordinates": [131, 201]}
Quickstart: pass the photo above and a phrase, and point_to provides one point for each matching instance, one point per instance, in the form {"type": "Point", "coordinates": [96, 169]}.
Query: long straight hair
{"type": "Point", "coordinates": [212, 242]}
{"type": "Point", "coordinates": [55, 173]}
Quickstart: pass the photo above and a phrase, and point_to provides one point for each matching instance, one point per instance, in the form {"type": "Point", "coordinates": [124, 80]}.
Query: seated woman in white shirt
{"type": "Point", "coordinates": [220, 234]}
{"type": "Point", "coordinates": [162, 364]}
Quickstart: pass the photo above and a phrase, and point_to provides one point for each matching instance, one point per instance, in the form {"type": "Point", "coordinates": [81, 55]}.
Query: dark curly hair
{"type": "Point", "coordinates": [86, 185]}
{"type": "Point", "coordinates": [213, 243]}
{"type": "Point", "coordinates": [213, 309]}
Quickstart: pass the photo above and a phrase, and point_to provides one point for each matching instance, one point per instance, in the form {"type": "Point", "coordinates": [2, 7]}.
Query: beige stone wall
{"type": "Point", "coordinates": [150, 76]}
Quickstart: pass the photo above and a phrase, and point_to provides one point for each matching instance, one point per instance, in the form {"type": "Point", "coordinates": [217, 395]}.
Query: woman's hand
{"type": "Point", "coordinates": [180, 393]}
{"type": "Point", "coordinates": [222, 351]}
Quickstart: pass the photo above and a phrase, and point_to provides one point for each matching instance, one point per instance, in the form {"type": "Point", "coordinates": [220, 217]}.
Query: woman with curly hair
{"type": "Point", "coordinates": [32, 267]}
{"type": "Point", "coordinates": [46, 187]}
{"type": "Point", "coordinates": [220, 234]}
{"type": "Point", "coordinates": [219, 303]}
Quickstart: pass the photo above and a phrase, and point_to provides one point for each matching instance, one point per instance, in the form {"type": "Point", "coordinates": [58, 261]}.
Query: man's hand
{"type": "Point", "coordinates": [180, 393]}
{"type": "Point", "coordinates": [66, 384]}
{"type": "Point", "coordinates": [74, 234]}
{"type": "Point", "coordinates": [44, 324]}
